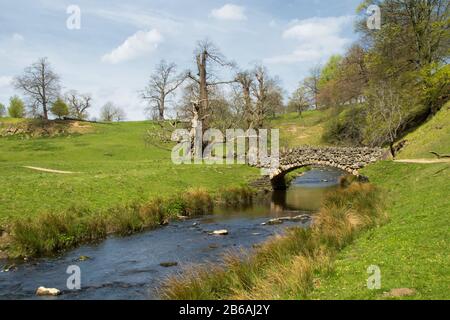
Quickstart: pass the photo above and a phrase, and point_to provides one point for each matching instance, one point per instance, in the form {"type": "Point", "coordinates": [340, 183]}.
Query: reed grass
{"type": "Point", "coordinates": [285, 267]}
{"type": "Point", "coordinates": [51, 233]}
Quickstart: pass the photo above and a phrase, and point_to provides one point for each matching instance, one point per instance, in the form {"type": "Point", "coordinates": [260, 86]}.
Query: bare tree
{"type": "Point", "coordinates": [110, 112]}
{"type": "Point", "coordinates": [119, 114]}
{"type": "Point", "coordinates": [40, 84]}
{"type": "Point", "coordinates": [311, 84]}
{"type": "Point", "coordinates": [245, 80]}
{"type": "Point", "coordinates": [386, 115]}
{"type": "Point", "coordinates": [78, 104]}
{"type": "Point", "coordinates": [107, 112]}
{"type": "Point", "coordinates": [162, 84]}
{"type": "Point", "coordinates": [299, 101]}
{"type": "Point", "coordinates": [207, 56]}
{"type": "Point", "coordinates": [259, 89]}
{"type": "Point", "coordinates": [268, 96]}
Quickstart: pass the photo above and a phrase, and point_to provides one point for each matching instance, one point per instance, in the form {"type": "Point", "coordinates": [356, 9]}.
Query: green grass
{"type": "Point", "coordinates": [114, 167]}
{"type": "Point", "coordinates": [115, 171]}
{"type": "Point", "coordinates": [434, 136]}
{"type": "Point", "coordinates": [8, 121]}
{"type": "Point", "coordinates": [330, 260]}
{"type": "Point", "coordinates": [412, 250]}
{"type": "Point", "coordinates": [305, 130]}
{"type": "Point", "coordinates": [285, 267]}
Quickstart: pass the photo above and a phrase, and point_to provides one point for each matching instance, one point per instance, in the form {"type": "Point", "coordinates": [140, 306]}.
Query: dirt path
{"type": "Point", "coordinates": [423, 161]}
{"type": "Point", "coordinates": [50, 170]}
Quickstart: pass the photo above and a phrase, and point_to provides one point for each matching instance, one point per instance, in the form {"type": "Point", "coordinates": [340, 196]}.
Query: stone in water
{"type": "Point", "coordinates": [42, 291]}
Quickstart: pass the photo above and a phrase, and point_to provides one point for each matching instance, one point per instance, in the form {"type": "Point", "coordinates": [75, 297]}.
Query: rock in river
{"type": "Point", "coordinates": [302, 218]}
{"type": "Point", "coordinates": [272, 222]}
{"type": "Point", "coordinates": [219, 233]}
{"type": "Point", "coordinates": [42, 291]}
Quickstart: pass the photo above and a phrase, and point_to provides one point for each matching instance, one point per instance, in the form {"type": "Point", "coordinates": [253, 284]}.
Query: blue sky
{"type": "Point", "coordinates": [113, 53]}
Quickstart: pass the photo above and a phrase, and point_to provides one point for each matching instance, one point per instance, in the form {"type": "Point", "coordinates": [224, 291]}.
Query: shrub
{"type": "Point", "coordinates": [16, 107]}
{"type": "Point", "coordinates": [60, 108]}
{"type": "Point", "coordinates": [346, 127]}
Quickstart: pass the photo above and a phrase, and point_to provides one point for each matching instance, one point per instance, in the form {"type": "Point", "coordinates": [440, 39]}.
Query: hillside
{"type": "Point", "coordinates": [296, 130]}
{"type": "Point", "coordinates": [433, 135]}
{"type": "Point", "coordinates": [412, 249]}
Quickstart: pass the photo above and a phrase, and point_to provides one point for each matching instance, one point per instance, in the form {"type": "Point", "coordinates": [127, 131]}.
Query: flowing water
{"type": "Point", "coordinates": [129, 268]}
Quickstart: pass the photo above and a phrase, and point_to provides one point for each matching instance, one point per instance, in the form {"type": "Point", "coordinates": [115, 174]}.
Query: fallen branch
{"type": "Point", "coordinates": [440, 156]}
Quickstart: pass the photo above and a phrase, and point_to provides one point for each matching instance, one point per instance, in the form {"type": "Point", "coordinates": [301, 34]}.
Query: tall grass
{"type": "Point", "coordinates": [285, 266]}
{"type": "Point", "coordinates": [50, 233]}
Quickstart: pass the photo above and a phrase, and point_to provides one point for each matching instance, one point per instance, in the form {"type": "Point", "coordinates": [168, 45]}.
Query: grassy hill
{"type": "Point", "coordinates": [296, 130]}
{"type": "Point", "coordinates": [434, 136]}
{"type": "Point", "coordinates": [412, 251]}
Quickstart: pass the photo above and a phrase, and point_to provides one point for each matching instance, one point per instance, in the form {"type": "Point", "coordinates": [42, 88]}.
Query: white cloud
{"type": "Point", "coordinates": [5, 81]}
{"type": "Point", "coordinates": [142, 19]}
{"type": "Point", "coordinates": [229, 12]}
{"type": "Point", "coordinates": [17, 37]}
{"type": "Point", "coordinates": [316, 37]}
{"type": "Point", "coordinates": [139, 44]}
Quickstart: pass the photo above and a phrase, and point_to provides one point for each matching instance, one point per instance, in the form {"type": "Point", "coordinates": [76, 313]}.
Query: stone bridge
{"type": "Point", "coordinates": [347, 159]}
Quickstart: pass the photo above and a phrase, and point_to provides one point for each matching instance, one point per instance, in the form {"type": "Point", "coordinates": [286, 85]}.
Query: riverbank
{"type": "Point", "coordinates": [410, 250]}
{"type": "Point", "coordinates": [285, 267]}
{"type": "Point", "coordinates": [53, 233]}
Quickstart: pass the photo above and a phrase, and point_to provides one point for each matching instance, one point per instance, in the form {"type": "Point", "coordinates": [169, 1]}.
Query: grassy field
{"type": "Point", "coordinates": [296, 130]}
{"type": "Point", "coordinates": [431, 136]}
{"type": "Point", "coordinates": [113, 168]}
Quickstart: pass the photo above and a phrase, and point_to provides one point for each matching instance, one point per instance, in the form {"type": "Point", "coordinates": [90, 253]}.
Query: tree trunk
{"type": "Point", "coordinates": [248, 106]}
{"type": "Point", "coordinates": [161, 107]}
{"type": "Point", "coordinates": [391, 147]}
{"type": "Point", "coordinates": [204, 103]}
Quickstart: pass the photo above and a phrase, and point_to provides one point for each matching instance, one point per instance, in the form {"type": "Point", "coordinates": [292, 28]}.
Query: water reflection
{"type": "Point", "coordinates": [306, 193]}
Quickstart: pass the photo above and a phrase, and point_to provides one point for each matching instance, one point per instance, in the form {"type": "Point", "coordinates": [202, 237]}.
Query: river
{"type": "Point", "coordinates": [129, 267]}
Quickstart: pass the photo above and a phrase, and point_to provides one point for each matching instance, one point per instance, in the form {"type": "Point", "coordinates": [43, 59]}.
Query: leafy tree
{"type": "Point", "coordinates": [59, 108]}
{"type": "Point", "coordinates": [436, 85]}
{"type": "Point", "coordinates": [412, 40]}
{"type": "Point", "coordinates": [330, 70]}
{"type": "Point", "coordinates": [16, 107]}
